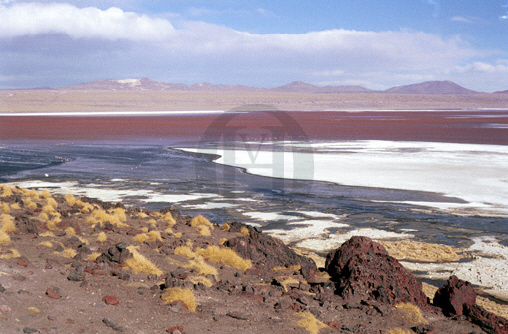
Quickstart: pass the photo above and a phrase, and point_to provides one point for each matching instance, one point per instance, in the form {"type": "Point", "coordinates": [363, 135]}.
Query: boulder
{"type": "Point", "coordinates": [455, 296]}
{"type": "Point", "coordinates": [362, 268]}
{"type": "Point", "coordinates": [458, 298]}
{"type": "Point", "coordinates": [266, 252]}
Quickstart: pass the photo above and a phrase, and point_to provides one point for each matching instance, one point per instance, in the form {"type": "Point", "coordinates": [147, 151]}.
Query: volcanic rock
{"type": "Point", "coordinates": [362, 268]}
{"type": "Point", "coordinates": [458, 298]}
{"type": "Point", "coordinates": [266, 252]}
{"type": "Point", "coordinates": [115, 255]}
{"type": "Point", "coordinates": [455, 296]}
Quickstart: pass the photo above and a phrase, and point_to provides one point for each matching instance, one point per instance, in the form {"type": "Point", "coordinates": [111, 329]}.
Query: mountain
{"type": "Point", "coordinates": [502, 92]}
{"type": "Point", "coordinates": [147, 84]}
{"type": "Point", "coordinates": [430, 87]}
{"type": "Point", "coordinates": [303, 87]}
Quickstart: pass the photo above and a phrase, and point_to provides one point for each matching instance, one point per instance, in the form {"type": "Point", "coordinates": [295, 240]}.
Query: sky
{"type": "Point", "coordinates": [376, 44]}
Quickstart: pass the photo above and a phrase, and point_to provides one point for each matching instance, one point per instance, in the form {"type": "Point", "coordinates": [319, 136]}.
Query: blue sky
{"type": "Point", "coordinates": [373, 43]}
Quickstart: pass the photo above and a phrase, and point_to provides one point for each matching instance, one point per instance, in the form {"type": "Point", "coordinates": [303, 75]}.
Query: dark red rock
{"type": "Point", "coordinates": [174, 329]}
{"type": "Point", "coordinates": [488, 321]}
{"type": "Point", "coordinates": [53, 292]}
{"type": "Point", "coordinates": [22, 262]}
{"type": "Point", "coordinates": [334, 324]}
{"type": "Point", "coordinates": [114, 255]}
{"type": "Point", "coordinates": [266, 252]}
{"type": "Point", "coordinates": [362, 268]}
{"type": "Point", "coordinates": [455, 296]}
{"type": "Point", "coordinates": [110, 300]}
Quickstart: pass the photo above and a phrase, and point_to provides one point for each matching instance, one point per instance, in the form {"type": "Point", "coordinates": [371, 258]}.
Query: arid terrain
{"type": "Point", "coordinates": [72, 265]}
{"type": "Point", "coordinates": [139, 100]}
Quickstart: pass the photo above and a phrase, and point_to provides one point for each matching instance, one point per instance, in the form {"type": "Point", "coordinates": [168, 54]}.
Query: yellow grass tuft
{"type": "Point", "coordinates": [29, 204]}
{"type": "Point", "coordinates": [5, 208]}
{"type": "Point", "coordinates": [287, 281]}
{"type": "Point", "coordinates": [43, 216]}
{"type": "Point", "coordinates": [245, 231]}
{"type": "Point", "coordinates": [68, 252]}
{"type": "Point", "coordinates": [15, 206]}
{"type": "Point", "coordinates": [51, 225]}
{"type": "Point", "coordinates": [33, 310]}
{"type": "Point", "coordinates": [9, 254]}
{"type": "Point", "coordinates": [93, 256]}
{"type": "Point", "coordinates": [310, 323]}
{"type": "Point", "coordinates": [491, 306]}
{"type": "Point", "coordinates": [45, 194]}
{"type": "Point", "coordinates": [141, 237]}
{"type": "Point", "coordinates": [48, 209]}
{"type": "Point", "coordinates": [140, 264]}
{"type": "Point", "coordinates": [85, 207]}
{"type": "Point", "coordinates": [222, 241]}
{"type": "Point", "coordinates": [203, 230]}
{"type": "Point", "coordinates": [33, 194]}
{"type": "Point", "coordinates": [46, 244]}
{"type": "Point", "coordinates": [5, 239]}
{"type": "Point", "coordinates": [201, 279]}
{"type": "Point", "coordinates": [70, 231]}
{"type": "Point", "coordinates": [102, 237]}
{"type": "Point", "coordinates": [178, 235]}
{"type": "Point", "coordinates": [168, 218]}
{"type": "Point", "coordinates": [142, 215]}
{"type": "Point", "coordinates": [224, 255]}
{"type": "Point", "coordinates": [201, 267]}
{"type": "Point", "coordinates": [100, 216]}
{"type": "Point", "coordinates": [149, 236]}
{"type": "Point", "coordinates": [200, 220]}
{"type": "Point", "coordinates": [7, 223]}
{"type": "Point", "coordinates": [421, 251]}
{"type": "Point", "coordinates": [51, 202]}
{"type": "Point", "coordinates": [152, 222]}
{"type": "Point", "coordinates": [169, 230]}
{"type": "Point", "coordinates": [180, 294]}
{"type": "Point", "coordinates": [226, 227]}
{"type": "Point", "coordinates": [411, 313]}
{"type": "Point", "coordinates": [5, 190]}
{"type": "Point", "coordinates": [185, 251]}
{"type": "Point", "coordinates": [47, 234]}
{"type": "Point", "coordinates": [70, 199]}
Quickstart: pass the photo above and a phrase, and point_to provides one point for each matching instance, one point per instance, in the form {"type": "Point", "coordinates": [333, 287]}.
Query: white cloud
{"type": "Point", "coordinates": [461, 19]}
{"type": "Point", "coordinates": [38, 39]}
{"type": "Point", "coordinates": [57, 18]}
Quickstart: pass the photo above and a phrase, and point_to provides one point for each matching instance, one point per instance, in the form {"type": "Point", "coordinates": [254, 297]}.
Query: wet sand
{"type": "Point", "coordinates": [476, 127]}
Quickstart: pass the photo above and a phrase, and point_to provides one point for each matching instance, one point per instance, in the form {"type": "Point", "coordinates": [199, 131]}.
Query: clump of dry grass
{"type": "Point", "coordinates": [140, 264]}
{"type": "Point", "coordinates": [51, 202]}
{"type": "Point", "coordinates": [222, 241]}
{"type": "Point", "coordinates": [245, 231]}
{"type": "Point", "coordinates": [47, 234]}
{"type": "Point", "coordinates": [93, 256]}
{"type": "Point", "coordinates": [203, 230]}
{"type": "Point", "coordinates": [33, 310]}
{"type": "Point", "coordinates": [6, 227]}
{"type": "Point", "coordinates": [45, 194]}
{"type": "Point", "coordinates": [491, 306]}
{"type": "Point", "coordinates": [101, 237]}
{"type": "Point", "coordinates": [15, 206]}
{"type": "Point", "coordinates": [46, 244]}
{"type": "Point", "coordinates": [142, 215]}
{"type": "Point", "coordinates": [168, 218]}
{"type": "Point", "coordinates": [70, 199]}
{"type": "Point", "coordinates": [196, 262]}
{"type": "Point", "coordinates": [226, 227]}
{"type": "Point", "coordinates": [411, 313]}
{"type": "Point", "coordinates": [148, 236]}
{"type": "Point", "coordinates": [52, 224]}
{"type": "Point", "coordinates": [67, 252]}
{"type": "Point", "coordinates": [421, 251]}
{"type": "Point", "coordinates": [178, 235]}
{"type": "Point", "coordinates": [4, 207]}
{"type": "Point", "coordinates": [100, 216]}
{"type": "Point", "coordinates": [27, 202]}
{"type": "Point", "coordinates": [310, 323]}
{"type": "Point", "coordinates": [200, 220]}
{"type": "Point", "coordinates": [70, 231]}
{"type": "Point", "coordinates": [7, 254]}
{"type": "Point", "coordinates": [5, 190]}
{"type": "Point", "coordinates": [201, 279]}
{"type": "Point", "coordinates": [224, 255]}
{"type": "Point", "coordinates": [287, 281]}
{"type": "Point", "coordinates": [184, 295]}
{"type": "Point", "coordinates": [43, 216]}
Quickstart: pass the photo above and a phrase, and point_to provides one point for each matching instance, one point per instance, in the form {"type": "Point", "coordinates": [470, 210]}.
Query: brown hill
{"type": "Point", "coordinates": [303, 87]}
{"type": "Point", "coordinates": [430, 87]}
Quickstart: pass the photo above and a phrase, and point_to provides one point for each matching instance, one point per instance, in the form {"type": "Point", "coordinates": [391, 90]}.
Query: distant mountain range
{"type": "Point", "coordinates": [428, 87]}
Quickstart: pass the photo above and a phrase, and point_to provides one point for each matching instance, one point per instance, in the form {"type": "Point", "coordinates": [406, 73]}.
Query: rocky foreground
{"type": "Point", "coordinates": [75, 265]}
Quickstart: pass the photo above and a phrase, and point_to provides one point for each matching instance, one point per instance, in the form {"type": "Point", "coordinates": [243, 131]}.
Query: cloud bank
{"type": "Point", "coordinates": [57, 44]}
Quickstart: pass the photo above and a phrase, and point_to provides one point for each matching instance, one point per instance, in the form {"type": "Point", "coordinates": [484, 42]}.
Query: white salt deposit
{"type": "Point", "coordinates": [312, 228]}
{"type": "Point", "coordinates": [268, 216]}
{"type": "Point", "coordinates": [477, 174]}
